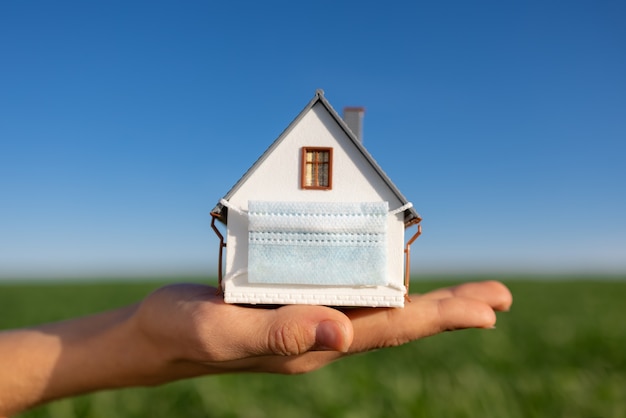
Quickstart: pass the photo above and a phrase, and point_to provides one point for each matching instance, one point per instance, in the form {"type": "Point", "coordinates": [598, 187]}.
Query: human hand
{"type": "Point", "coordinates": [186, 330]}
{"type": "Point", "coordinates": [190, 331]}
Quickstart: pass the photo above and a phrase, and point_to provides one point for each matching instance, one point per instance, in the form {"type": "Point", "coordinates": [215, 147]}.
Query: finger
{"type": "Point", "coordinates": [492, 292]}
{"type": "Point", "coordinates": [378, 328]}
{"type": "Point", "coordinates": [291, 330]}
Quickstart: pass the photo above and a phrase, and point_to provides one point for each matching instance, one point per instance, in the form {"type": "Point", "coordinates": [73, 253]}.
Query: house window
{"type": "Point", "coordinates": [317, 168]}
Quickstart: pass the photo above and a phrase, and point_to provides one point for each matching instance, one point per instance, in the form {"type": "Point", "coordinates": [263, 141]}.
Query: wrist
{"type": "Point", "coordinates": [98, 352]}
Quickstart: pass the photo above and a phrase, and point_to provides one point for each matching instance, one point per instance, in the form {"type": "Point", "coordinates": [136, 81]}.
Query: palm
{"type": "Point", "coordinates": [210, 336]}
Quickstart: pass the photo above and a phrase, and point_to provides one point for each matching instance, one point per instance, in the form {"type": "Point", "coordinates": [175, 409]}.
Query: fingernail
{"type": "Point", "coordinates": [330, 336]}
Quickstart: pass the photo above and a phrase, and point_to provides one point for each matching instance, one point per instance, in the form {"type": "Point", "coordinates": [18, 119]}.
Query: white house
{"type": "Point", "coordinates": [315, 220]}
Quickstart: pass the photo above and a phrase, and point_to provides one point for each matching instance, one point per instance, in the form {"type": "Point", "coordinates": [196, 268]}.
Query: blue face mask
{"type": "Point", "coordinates": [317, 243]}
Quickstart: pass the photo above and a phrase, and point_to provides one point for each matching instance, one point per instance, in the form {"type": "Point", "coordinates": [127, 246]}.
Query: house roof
{"type": "Point", "coordinates": [410, 214]}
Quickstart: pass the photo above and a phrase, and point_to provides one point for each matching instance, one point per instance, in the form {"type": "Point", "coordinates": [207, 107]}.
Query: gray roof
{"type": "Point", "coordinates": [410, 215]}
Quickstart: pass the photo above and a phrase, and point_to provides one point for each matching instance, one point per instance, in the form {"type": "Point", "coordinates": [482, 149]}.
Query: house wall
{"type": "Point", "coordinates": [278, 179]}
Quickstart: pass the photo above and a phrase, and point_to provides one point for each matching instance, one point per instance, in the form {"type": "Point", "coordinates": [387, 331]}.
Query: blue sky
{"type": "Point", "coordinates": [123, 123]}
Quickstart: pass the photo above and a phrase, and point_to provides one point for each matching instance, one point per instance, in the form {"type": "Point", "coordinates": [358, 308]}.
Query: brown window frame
{"type": "Point", "coordinates": [316, 164]}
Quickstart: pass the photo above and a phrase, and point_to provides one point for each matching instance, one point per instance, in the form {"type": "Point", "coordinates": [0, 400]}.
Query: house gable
{"type": "Point", "coordinates": [276, 175]}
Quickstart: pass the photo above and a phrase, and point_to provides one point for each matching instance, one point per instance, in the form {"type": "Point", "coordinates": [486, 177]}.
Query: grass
{"type": "Point", "coordinates": [558, 353]}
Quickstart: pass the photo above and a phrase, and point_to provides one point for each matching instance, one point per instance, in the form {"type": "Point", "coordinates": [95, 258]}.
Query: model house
{"type": "Point", "coordinates": [315, 220]}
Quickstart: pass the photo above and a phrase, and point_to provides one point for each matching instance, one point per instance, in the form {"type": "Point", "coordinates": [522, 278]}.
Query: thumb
{"type": "Point", "coordinates": [297, 329]}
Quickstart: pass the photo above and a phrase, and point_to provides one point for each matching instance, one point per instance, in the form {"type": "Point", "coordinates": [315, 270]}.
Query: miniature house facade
{"type": "Point", "coordinates": [315, 220]}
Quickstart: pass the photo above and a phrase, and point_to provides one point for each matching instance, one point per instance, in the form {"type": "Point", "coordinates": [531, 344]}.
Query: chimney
{"type": "Point", "coordinates": [353, 116]}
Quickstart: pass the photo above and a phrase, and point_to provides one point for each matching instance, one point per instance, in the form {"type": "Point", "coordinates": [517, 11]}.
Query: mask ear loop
{"type": "Point", "coordinates": [227, 204]}
{"type": "Point", "coordinates": [401, 209]}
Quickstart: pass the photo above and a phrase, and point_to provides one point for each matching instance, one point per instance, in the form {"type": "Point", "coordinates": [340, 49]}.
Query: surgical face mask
{"type": "Point", "coordinates": [317, 243]}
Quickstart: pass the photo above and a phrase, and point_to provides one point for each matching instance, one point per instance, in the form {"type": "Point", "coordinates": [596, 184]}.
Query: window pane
{"type": "Point", "coordinates": [308, 180]}
{"type": "Point", "coordinates": [323, 175]}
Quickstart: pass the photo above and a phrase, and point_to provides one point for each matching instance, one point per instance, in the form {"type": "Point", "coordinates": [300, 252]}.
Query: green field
{"type": "Point", "coordinates": [560, 352]}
